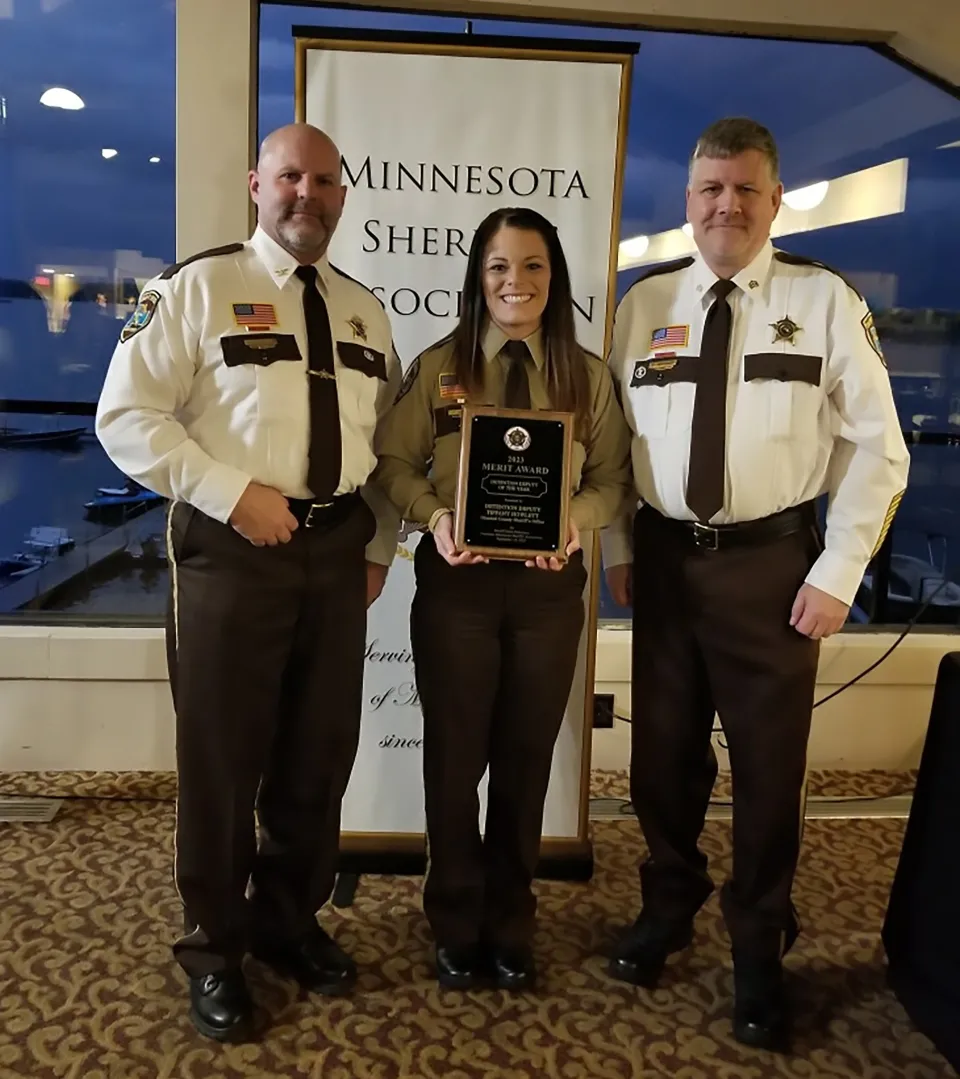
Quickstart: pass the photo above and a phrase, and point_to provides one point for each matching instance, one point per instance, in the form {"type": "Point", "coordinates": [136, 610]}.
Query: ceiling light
{"type": "Point", "coordinates": [47, 269]}
{"type": "Point", "coordinates": [635, 247]}
{"type": "Point", "coordinates": [687, 229]}
{"type": "Point", "coordinates": [59, 98]}
{"type": "Point", "coordinates": [108, 153]}
{"type": "Point", "coordinates": [154, 160]}
{"type": "Point", "coordinates": [806, 198]}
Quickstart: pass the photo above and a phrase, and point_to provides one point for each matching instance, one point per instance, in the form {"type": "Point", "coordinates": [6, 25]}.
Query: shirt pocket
{"type": "Point", "coordinates": [791, 385]}
{"type": "Point", "coordinates": [366, 371]}
{"type": "Point", "coordinates": [447, 420]}
{"type": "Point", "coordinates": [261, 375]}
{"type": "Point", "coordinates": [658, 388]}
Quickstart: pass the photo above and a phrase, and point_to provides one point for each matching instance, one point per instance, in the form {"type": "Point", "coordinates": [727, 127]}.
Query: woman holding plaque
{"type": "Point", "coordinates": [495, 640]}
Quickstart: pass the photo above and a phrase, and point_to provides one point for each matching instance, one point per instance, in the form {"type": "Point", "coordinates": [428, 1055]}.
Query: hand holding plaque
{"type": "Point", "coordinates": [513, 487]}
{"type": "Point", "coordinates": [573, 545]}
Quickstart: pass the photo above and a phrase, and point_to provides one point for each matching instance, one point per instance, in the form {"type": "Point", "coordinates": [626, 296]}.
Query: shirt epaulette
{"type": "Point", "coordinates": [801, 260]}
{"type": "Point", "coordinates": [673, 266]}
{"type": "Point", "coordinates": [227, 249]}
{"type": "Point", "coordinates": [343, 273]}
{"type": "Point", "coordinates": [435, 348]}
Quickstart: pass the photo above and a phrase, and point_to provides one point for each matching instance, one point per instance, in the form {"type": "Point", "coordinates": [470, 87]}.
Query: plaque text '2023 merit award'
{"type": "Point", "coordinates": [513, 489]}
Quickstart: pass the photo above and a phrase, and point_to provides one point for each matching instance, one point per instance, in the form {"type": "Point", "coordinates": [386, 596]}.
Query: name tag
{"type": "Point", "coordinates": [661, 371]}
{"type": "Point", "coordinates": [260, 349]}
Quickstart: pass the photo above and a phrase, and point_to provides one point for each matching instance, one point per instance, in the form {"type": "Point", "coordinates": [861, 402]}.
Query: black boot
{"type": "Point", "coordinates": [220, 1006]}
{"type": "Point", "coordinates": [761, 1016]}
{"type": "Point", "coordinates": [314, 960]}
{"type": "Point", "coordinates": [642, 953]}
{"type": "Point", "coordinates": [458, 967]}
{"type": "Point", "coordinates": [514, 968]}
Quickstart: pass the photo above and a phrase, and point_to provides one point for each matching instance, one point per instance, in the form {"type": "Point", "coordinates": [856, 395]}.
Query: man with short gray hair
{"type": "Point", "coordinates": [753, 382]}
{"type": "Point", "coordinates": [246, 387]}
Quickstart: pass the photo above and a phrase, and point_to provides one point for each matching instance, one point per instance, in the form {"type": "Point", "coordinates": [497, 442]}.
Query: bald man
{"type": "Point", "coordinates": [246, 387]}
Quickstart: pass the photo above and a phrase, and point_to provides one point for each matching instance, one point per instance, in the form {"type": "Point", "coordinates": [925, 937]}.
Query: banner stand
{"type": "Point", "coordinates": [519, 121]}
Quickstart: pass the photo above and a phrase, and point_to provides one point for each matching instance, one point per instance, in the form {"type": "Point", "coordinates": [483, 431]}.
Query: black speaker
{"type": "Point", "coordinates": [921, 931]}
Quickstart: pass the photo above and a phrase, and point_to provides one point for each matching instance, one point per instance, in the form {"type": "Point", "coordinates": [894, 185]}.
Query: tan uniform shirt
{"type": "Point", "coordinates": [810, 409]}
{"type": "Point", "coordinates": [191, 413]}
{"type": "Point", "coordinates": [419, 440]}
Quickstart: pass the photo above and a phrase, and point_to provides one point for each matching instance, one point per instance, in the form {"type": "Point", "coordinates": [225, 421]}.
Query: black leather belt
{"type": "Point", "coordinates": [742, 534]}
{"type": "Point", "coordinates": [310, 514]}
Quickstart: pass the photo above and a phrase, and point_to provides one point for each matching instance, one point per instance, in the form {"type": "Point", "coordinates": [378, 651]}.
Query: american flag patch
{"type": "Point", "coordinates": [449, 387]}
{"type": "Point", "coordinates": [255, 314]}
{"type": "Point", "coordinates": [669, 337]}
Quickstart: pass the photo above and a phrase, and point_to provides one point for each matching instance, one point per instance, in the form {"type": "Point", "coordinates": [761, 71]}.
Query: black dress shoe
{"type": "Point", "coordinates": [220, 1006]}
{"type": "Point", "coordinates": [760, 1014]}
{"type": "Point", "coordinates": [514, 969]}
{"type": "Point", "coordinates": [316, 961]}
{"type": "Point", "coordinates": [458, 967]}
{"type": "Point", "coordinates": [642, 953]}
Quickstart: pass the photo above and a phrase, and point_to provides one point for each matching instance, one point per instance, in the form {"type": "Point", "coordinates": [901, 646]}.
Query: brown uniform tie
{"type": "Point", "coordinates": [516, 393]}
{"type": "Point", "coordinates": [708, 435]}
{"type": "Point", "coordinates": [326, 451]}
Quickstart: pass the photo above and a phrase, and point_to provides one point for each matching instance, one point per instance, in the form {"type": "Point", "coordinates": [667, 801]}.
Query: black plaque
{"type": "Point", "coordinates": [513, 491]}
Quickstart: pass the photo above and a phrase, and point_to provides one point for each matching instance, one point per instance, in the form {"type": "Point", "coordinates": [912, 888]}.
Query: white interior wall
{"type": "Point", "coordinates": [81, 699]}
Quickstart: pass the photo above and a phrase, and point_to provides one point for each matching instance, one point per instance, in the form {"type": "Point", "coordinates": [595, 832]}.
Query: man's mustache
{"type": "Point", "coordinates": [304, 208]}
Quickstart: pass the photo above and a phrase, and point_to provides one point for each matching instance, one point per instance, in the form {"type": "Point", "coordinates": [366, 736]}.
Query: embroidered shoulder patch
{"type": "Point", "coordinates": [142, 314]}
{"type": "Point", "coordinates": [410, 376]}
{"type": "Point", "coordinates": [873, 338]}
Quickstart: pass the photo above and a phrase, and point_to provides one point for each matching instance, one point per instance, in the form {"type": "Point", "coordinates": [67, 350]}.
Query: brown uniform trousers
{"type": "Point", "coordinates": [711, 633]}
{"type": "Point", "coordinates": [495, 646]}
{"type": "Point", "coordinates": [265, 650]}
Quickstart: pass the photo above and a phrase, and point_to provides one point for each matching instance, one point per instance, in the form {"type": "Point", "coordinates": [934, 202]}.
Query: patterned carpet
{"type": "Point", "coordinates": [88, 989]}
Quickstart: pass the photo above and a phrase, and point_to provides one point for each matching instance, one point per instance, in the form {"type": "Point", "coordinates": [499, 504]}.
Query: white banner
{"type": "Point", "coordinates": [432, 142]}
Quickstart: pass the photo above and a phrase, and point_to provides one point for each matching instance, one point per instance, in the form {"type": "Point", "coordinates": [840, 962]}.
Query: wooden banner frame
{"type": "Point", "coordinates": [560, 856]}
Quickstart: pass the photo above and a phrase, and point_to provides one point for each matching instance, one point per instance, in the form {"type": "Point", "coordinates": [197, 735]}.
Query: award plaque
{"type": "Point", "coordinates": [513, 487]}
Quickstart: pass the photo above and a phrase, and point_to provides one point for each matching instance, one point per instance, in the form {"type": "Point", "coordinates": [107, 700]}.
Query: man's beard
{"type": "Point", "coordinates": [307, 237]}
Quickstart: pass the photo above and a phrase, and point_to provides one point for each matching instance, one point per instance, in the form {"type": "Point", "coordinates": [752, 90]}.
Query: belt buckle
{"type": "Point", "coordinates": [308, 522]}
{"type": "Point", "coordinates": [706, 537]}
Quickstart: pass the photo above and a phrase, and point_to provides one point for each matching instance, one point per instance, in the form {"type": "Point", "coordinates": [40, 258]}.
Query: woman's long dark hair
{"type": "Point", "coordinates": [565, 369]}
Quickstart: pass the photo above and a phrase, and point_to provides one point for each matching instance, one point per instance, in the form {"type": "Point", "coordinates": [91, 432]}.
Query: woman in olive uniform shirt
{"type": "Point", "coordinates": [495, 642]}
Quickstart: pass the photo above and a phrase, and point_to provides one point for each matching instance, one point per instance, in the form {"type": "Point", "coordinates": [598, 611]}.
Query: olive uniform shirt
{"type": "Point", "coordinates": [419, 439]}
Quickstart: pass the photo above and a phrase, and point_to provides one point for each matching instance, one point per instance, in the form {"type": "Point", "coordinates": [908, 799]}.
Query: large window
{"type": "Point", "coordinates": [82, 228]}
{"type": "Point", "coordinates": [861, 110]}
{"type": "Point", "coordinates": [86, 217]}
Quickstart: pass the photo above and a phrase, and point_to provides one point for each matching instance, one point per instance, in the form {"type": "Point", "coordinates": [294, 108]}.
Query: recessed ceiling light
{"type": "Point", "coordinates": [59, 98]}
{"type": "Point", "coordinates": [108, 153]}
